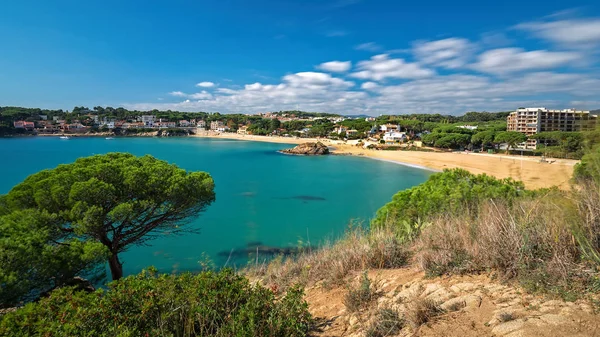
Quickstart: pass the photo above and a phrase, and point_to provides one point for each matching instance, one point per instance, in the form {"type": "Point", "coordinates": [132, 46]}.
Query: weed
{"type": "Point", "coordinates": [506, 317]}
{"type": "Point", "coordinates": [360, 297]}
{"type": "Point", "coordinates": [420, 311]}
{"type": "Point", "coordinates": [388, 322]}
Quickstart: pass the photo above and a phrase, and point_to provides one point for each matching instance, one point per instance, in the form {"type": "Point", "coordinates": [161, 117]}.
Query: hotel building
{"type": "Point", "coordinates": [533, 120]}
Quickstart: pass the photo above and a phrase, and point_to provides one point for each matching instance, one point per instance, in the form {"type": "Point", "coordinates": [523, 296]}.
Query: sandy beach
{"type": "Point", "coordinates": [530, 170]}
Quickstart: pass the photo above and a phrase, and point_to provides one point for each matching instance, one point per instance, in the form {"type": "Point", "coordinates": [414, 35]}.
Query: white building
{"type": "Point", "coordinates": [223, 128]}
{"type": "Point", "coordinates": [468, 127]}
{"type": "Point", "coordinates": [148, 120]}
{"type": "Point", "coordinates": [394, 136]}
{"type": "Point", "coordinates": [184, 123]}
{"type": "Point", "coordinates": [388, 127]}
{"type": "Point", "coordinates": [201, 124]}
{"type": "Point", "coordinates": [216, 125]}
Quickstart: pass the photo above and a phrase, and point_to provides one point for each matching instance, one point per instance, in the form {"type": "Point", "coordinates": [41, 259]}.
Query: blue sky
{"type": "Point", "coordinates": [343, 56]}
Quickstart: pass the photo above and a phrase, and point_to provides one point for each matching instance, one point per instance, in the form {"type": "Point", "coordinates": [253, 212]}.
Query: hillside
{"type": "Point", "coordinates": [467, 306]}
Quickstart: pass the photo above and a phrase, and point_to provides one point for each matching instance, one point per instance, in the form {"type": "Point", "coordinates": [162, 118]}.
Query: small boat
{"type": "Point", "coordinates": [109, 138]}
{"type": "Point", "coordinates": [64, 137]}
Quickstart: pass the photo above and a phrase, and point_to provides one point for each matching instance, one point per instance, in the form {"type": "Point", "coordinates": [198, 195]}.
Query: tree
{"type": "Point", "coordinates": [484, 139]}
{"type": "Point", "coordinates": [449, 192]}
{"type": "Point", "coordinates": [117, 200]}
{"type": "Point", "coordinates": [452, 140]}
{"type": "Point", "coordinates": [511, 138]}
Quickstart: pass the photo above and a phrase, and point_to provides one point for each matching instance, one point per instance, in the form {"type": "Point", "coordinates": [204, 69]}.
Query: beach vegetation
{"type": "Point", "coordinates": [452, 191]}
{"type": "Point", "coordinates": [209, 303]}
{"type": "Point", "coordinates": [510, 138]}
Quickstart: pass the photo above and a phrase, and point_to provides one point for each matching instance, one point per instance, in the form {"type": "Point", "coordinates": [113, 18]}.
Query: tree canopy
{"type": "Point", "coordinates": [97, 206]}
{"type": "Point", "coordinates": [448, 192]}
{"type": "Point", "coordinates": [512, 138]}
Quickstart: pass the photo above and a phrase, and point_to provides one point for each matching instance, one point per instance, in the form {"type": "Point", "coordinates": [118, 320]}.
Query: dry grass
{"type": "Point", "coordinates": [543, 242]}
{"type": "Point", "coordinates": [506, 317]}
{"type": "Point", "coordinates": [420, 311]}
{"type": "Point", "coordinates": [388, 322]}
{"type": "Point", "coordinates": [361, 296]}
{"type": "Point", "coordinates": [358, 250]}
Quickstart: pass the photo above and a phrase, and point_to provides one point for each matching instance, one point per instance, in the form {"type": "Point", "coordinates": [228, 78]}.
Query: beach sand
{"type": "Point", "coordinates": [529, 170]}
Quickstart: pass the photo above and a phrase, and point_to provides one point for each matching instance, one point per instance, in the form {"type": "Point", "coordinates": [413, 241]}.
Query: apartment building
{"type": "Point", "coordinates": [533, 120]}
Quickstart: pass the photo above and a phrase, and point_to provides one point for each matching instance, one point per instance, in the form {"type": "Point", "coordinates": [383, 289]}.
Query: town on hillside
{"type": "Point", "coordinates": [541, 131]}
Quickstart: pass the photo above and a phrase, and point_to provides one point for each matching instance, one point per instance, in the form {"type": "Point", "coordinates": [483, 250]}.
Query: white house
{"type": "Point", "coordinates": [201, 124]}
{"type": "Point", "coordinates": [351, 132]}
{"type": "Point", "coordinates": [215, 125]}
{"type": "Point", "coordinates": [184, 123]}
{"type": "Point", "coordinates": [394, 136]}
{"type": "Point", "coordinates": [243, 130]}
{"type": "Point", "coordinates": [148, 120]}
{"type": "Point", "coordinates": [223, 128]}
{"type": "Point", "coordinates": [468, 127]}
{"type": "Point", "coordinates": [340, 130]}
{"type": "Point", "coordinates": [388, 127]}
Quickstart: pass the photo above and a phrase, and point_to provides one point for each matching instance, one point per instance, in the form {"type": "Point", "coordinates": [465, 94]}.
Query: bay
{"type": "Point", "coordinates": [262, 197]}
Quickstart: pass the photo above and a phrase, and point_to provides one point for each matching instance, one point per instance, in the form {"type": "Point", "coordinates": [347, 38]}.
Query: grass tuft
{"type": "Point", "coordinates": [388, 322]}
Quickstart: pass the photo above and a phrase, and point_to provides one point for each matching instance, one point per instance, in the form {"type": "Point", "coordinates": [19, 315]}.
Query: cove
{"type": "Point", "coordinates": [266, 202]}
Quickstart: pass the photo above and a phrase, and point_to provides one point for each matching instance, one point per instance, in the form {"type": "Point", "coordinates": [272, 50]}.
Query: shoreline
{"type": "Point", "coordinates": [529, 170]}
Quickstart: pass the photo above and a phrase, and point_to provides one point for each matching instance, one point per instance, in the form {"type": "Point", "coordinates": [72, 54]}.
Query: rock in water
{"type": "Point", "coordinates": [312, 149]}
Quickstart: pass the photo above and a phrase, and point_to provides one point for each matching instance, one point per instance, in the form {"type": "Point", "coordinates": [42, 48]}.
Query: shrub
{"type": "Point", "coordinates": [453, 192]}
{"type": "Point", "coordinates": [544, 243]}
{"type": "Point", "coordinates": [388, 322]}
{"type": "Point", "coordinates": [205, 304]}
{"type": "Point", "coordinates": [420, 311]}
{"type": "Point", "coordinates": [360, 297]}
{"type": "Point", "coordinates": [359, 249]}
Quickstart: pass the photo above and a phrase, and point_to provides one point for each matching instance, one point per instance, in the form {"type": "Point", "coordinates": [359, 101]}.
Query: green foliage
{"type": "Point", "coordinates": [512, 138]}
{"type": "Point", "coordinates": [360, 297]}
{"type": "Point", "coordinates": [561, 144]}
{"type": "Point", "coordinates": [452, 191]}
{"type": "Point", "coordinates": [114, 200]}
{"type": "Point", "coordinates": [484, 139]}
{"type": "Point", "coordinates": [206, 304]}
{"type": "Point", "coordinates": [32, 260]}
{"type": "Point", "coordinates": [452, 140]}
{"type": "Point", "coordinates": [589, 167]}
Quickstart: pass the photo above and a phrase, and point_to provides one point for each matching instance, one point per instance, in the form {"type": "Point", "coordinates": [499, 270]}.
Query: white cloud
{"type": "Point", "coordinates": [380, 67]}
{"type": "Point", "coordinates": [335, 66]}
{"type": "Point", "coordinates": [205, 84]}
{"type": "Point", "coordinates": [369, 46]}
{"type": "Point", "coordinates": [508, 60]}
{"type": "Point", "coordinates": [315, 80]}
{"type": "Point", "coordinates": [448, 53]}
{"type": "Point", "coordinates": [201, 95]}
{"type": "Point", "coordinates": [177, 94]}
{"type": "Point", "coordinates": [369, 86]}
{"type": "Point", "coordinates": [574, 32]}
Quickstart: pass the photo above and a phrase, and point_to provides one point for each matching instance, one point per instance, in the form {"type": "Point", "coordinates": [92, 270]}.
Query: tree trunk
{"type": "Point", "coordinates": [116, 267]}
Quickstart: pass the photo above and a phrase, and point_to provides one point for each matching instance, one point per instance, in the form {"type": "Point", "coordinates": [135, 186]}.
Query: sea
{"type": "Point", "coordinates": [266, 202]}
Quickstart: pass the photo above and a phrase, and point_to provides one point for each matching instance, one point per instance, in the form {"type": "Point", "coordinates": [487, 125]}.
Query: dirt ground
{"type": "Point", "coordinates": [482, 307]}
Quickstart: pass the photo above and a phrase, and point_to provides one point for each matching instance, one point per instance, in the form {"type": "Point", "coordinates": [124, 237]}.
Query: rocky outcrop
{"type": "Point", "coordinates": [465, 306]}
{"type": "Point", "coordinates": [310, 149]}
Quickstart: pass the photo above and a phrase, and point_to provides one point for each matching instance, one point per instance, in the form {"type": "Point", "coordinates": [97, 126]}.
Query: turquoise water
{"type": "Point", "coordinates": [263, 197]}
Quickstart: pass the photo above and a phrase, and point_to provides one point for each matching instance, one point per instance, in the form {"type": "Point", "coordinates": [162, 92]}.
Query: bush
{"type": "Point", "coordinates": [420, 311]}
{"type": "Point", "coordinates": [388, 322]}
{"type": "Point", "coordinates": [360, 297]}
{"type": "Point", "coordinates": [359, 249]}
{"type": "Point", "coordinates": [453, 191]}
{"type": "Point", "coordinates": [544, 243]}
{"type": "Point", "coordinates": [204, 304]}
